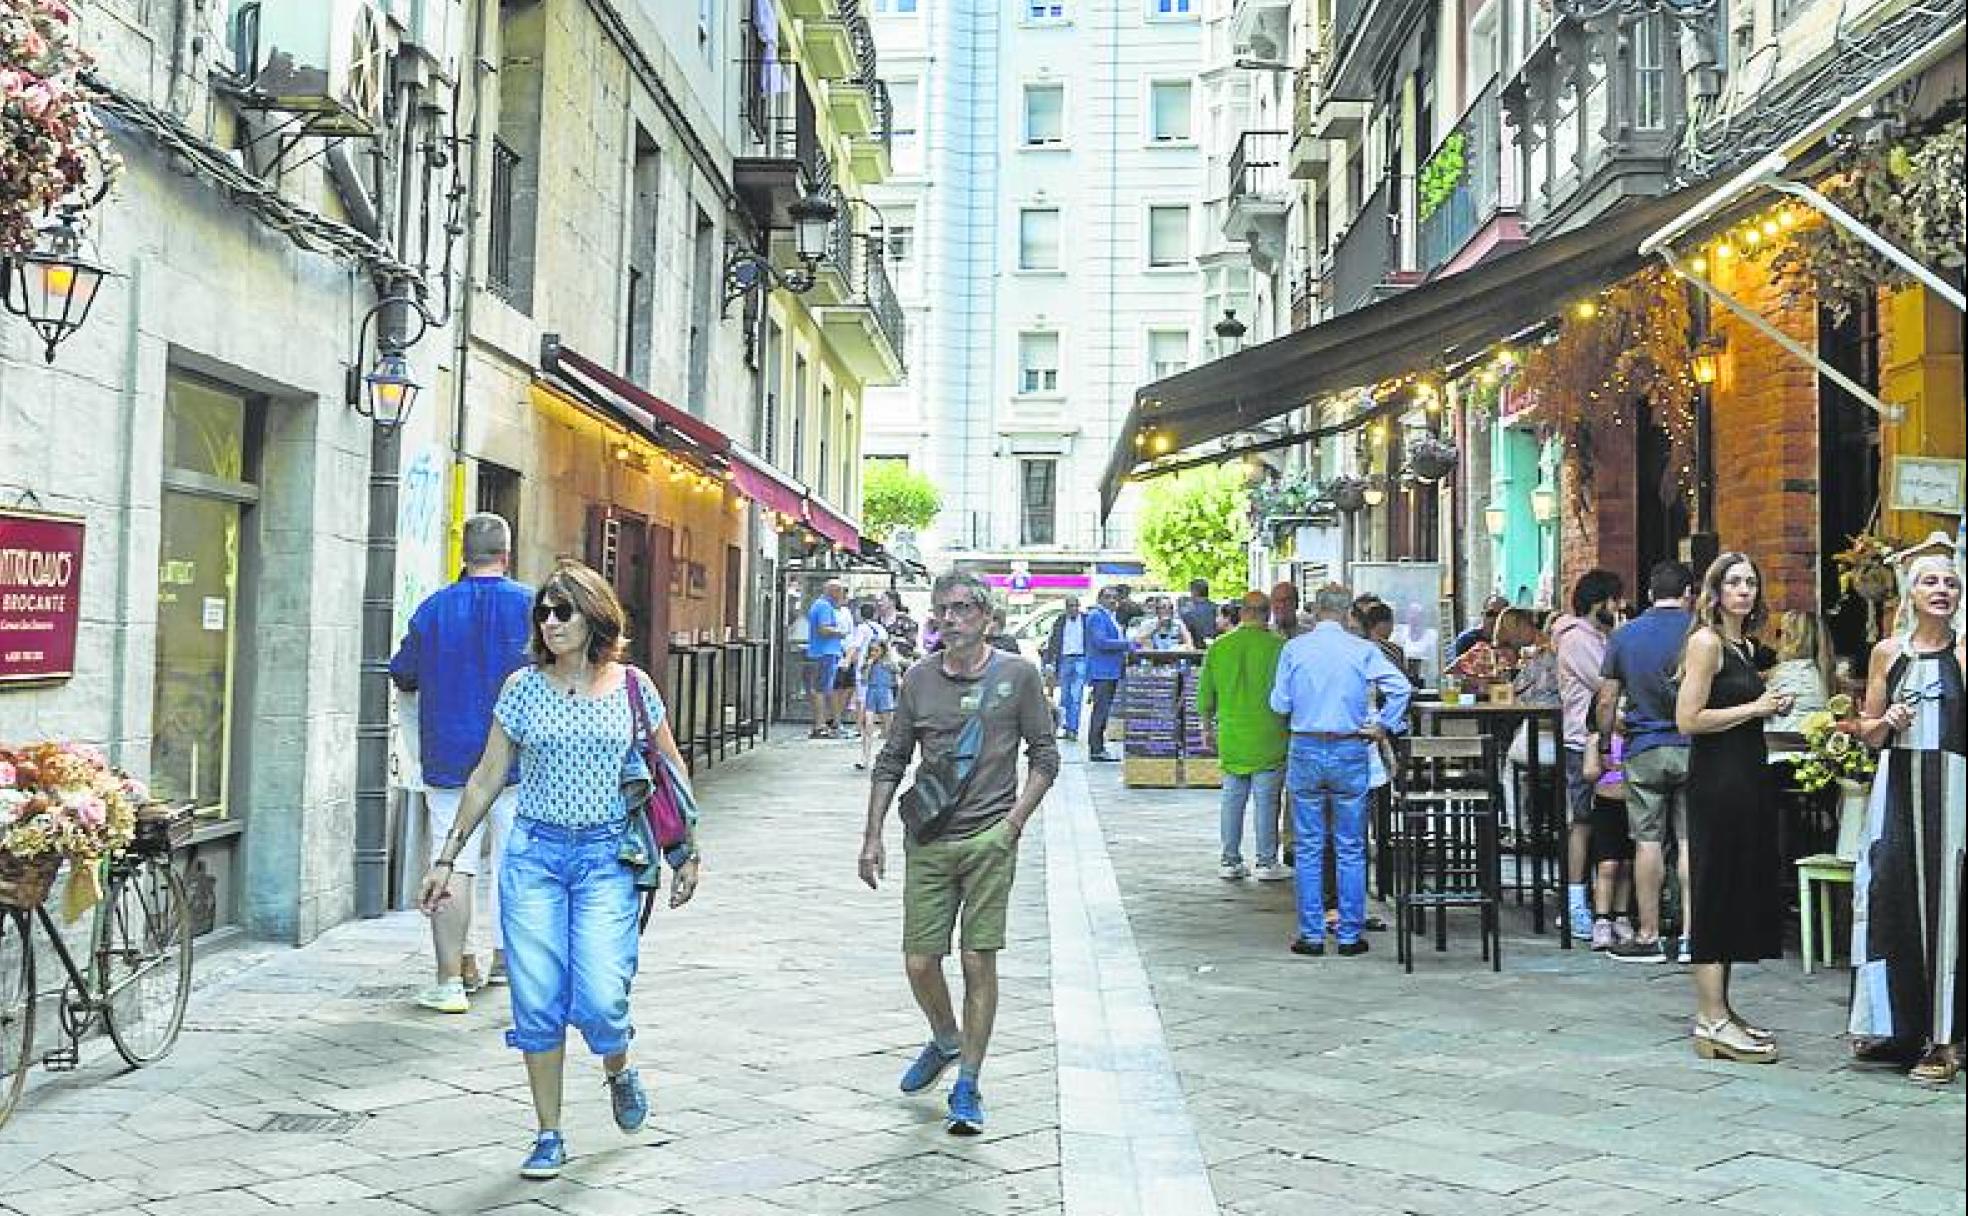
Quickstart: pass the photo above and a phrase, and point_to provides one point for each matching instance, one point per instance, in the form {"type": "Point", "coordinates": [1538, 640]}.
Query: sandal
{"type": "Point", "coordinates": [1897, 1052]}
{"type": "Point", "coordinates": [1725, 1040]}
{"type": "Point", "coordinates": [1755, 1032]}
{"type": "Point", "coordinates": [1938, 1067]}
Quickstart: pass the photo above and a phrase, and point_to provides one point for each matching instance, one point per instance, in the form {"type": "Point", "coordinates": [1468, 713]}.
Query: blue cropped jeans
{"type": "Point", "coordinates": [1330, 774]}
{"type": "Point", "coordinates": [568, 907]}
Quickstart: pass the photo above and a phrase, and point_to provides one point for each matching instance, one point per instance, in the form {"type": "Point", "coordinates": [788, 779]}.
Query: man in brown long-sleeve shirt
{"type": "Point", "coordinates": [967, 870]}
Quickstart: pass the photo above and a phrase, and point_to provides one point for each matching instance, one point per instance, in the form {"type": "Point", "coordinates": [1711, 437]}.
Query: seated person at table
{"type": "Point", "coordinates": [1612, 845]}
{"type": "Point", "coordinates": [1803, 670]}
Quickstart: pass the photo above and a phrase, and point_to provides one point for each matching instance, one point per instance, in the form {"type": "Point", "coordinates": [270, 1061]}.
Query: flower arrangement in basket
{"type": "Point", "coordinates": [61, 802]}
{"type": "Point", "coordinates": [1833, 751]}
{"type": "Point", "coordinates": [1865, 569]}
{"type": "Point", "coordinates": [1431, 457]}
{"type": "Point", "coordinates": [46, 124]}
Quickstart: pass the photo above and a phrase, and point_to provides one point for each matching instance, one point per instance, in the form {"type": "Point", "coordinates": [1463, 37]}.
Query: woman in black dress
{"type": "Point", "coordinates": [1734, 867]}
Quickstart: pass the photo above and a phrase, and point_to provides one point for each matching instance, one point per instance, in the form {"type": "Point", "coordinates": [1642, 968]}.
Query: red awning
{"type": "Point", "coordinates": [758, 481]}
{"type": "Point", "coordinates": [832, 525]}
{"type": "Point", "coordinates": [559, 359]}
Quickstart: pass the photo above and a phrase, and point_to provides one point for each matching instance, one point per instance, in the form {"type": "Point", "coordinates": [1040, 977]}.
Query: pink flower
{"type": "Point", "coordinates": [8, 775]}
{"type": "Point", "coordinates": [90, 811]}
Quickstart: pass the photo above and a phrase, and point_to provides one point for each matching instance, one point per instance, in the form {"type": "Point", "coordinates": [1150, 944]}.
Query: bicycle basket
{"type": "Point", "coordinates": [161, 829]}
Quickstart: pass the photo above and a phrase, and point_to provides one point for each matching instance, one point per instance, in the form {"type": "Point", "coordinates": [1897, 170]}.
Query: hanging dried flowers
{"type": "Point", "coordinates": [48, 133]}
{"type": "Point", "coordinates": [1631, 344]}
{"type": "Point", "coordinates": [1912, 193]}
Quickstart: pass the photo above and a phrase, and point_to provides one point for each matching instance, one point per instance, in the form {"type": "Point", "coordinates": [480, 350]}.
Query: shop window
{"type": "Point", "coordinates": [211, 441]}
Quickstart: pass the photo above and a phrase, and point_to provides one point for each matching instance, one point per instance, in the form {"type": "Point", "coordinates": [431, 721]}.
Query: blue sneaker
{"type": "Point", "coordinates": [628, 1098]}
{"type": "Point", "coordinates": [928, 1066]}
{"type": "Point", "coordinates": [966, 1109]}
{"type": "Point", "coordinates": [548, 1155]}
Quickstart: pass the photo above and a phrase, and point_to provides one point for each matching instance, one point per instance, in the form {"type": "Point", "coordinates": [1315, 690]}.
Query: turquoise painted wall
{"type": "Point", "coordinates": [1519, 555]}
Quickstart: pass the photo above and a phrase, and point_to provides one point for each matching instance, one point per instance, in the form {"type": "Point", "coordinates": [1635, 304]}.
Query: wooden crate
{"type": "Point", "coordinates": [1151, 772]}
{"type": "Point", "coordinates": [1202, 772]}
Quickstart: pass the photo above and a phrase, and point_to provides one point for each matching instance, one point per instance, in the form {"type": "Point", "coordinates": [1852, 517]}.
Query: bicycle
{"type": "Point", "coordinates": [139, 963]}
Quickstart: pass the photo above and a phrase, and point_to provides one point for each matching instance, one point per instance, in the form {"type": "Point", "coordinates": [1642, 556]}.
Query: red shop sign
{"type": "Point", "coordinates": [40, 594]}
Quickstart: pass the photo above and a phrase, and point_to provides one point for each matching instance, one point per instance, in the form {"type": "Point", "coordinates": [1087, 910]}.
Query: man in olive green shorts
{"type": "Point", "coordinates": [962, 879]}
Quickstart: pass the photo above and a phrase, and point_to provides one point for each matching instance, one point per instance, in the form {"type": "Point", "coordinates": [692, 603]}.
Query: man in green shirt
{"type": "Point", "coordinates": [1234, 700]}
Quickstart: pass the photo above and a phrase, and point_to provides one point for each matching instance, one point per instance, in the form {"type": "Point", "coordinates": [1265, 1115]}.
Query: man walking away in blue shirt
{"type": "Point", "coordinates": [1107, 650]}
{"type": "Point", "coordinates": [1324, 685]}
{"type": "Point", "coordinates": [826, 646]}
{"type": "Point", "coordinates": [462, 644]}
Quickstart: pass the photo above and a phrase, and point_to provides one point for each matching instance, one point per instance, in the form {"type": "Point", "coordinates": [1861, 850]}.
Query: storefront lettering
{"type": "Point", "coordinates": [40, 594]}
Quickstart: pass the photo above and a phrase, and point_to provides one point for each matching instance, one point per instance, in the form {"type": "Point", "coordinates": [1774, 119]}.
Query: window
{"type": "Point", "coordinates": [905, 113]}
{"type": "Point", "coordinates": [1168, 236]}
{"type": "Point", "coordinates": [899, 247]}
{"type": "Point", "coordinates": [1045, 114]}
{"type": "Point", "coordinates": [1649, 75]}
{"type": "Point", "coordinates": [1168, 112]}
{"type": "Point", "coordinates": [1038, 502]}
{"type": "Point", "coordinates": [1045, 10]}
{"type": "Point", "coordinates": [1172, 8]}
{"type": "Point", "coordinates": [826, 432]}
{"type": "Point", "coordinates": [799, 417]}
{"type": "Point", "coordinates": [767, 437]}
{"type": "Point", "coordinates": [503, 264]}
{"type": "Point", "coordinates": [211, 447]}
{"type": "Point", "coordinates": [638, 331]}
{"type": "Point", "coordinates": [1038, 362]}
{"type": "Point", "coordinates": [498, 493]}
{"type": "Point", "coordinates": [1038, 238]}
{"type": "Point", "coordinates": [1168, 352]}
{"type": "Point", "coordinates": [896, 8]}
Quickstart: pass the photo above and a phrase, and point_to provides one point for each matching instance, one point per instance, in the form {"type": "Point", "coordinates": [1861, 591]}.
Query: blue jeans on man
{"type": "Point", "coordinates": [1323, 775]}
{"type": "Point", "coordinates": [1072, 690]}
{"type": "Point", "coordinates": [1261, 790]}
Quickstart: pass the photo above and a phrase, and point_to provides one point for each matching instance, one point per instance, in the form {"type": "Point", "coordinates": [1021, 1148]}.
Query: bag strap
{"type": "Point", "coordinates": [983, 706]}
{"type": "Point", "coordinates": [645, 741]}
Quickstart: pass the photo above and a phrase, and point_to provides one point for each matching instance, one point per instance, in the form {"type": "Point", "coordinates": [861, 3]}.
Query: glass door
{"type": "Point", "coordinates": [197, 593]}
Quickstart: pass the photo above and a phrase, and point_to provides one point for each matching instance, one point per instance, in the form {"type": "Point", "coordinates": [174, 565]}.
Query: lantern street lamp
{"type": "Point", "coordinates": [53, 287]}
{"type": "Point", "coordinates": [745, 271]}
{"type": "Point", "coordinates": [387, 392]}
{"type": "Point", "coordinates": [1707, 362]}
{"type": "Point", "coordinates": [1544, 504]}
{"type": "Point", "coordinates": [1376, 492]}
{"type": "Point", "coordinates": [1496, 520]}
{"type": "Point", "coordinates": [1230, 332]}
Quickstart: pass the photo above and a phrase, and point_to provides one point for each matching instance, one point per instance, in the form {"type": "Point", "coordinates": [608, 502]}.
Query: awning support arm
{"type": "Point", "coordinates": [1885, 248]}
{"type": "Point", "coordinates": [1750, 316]}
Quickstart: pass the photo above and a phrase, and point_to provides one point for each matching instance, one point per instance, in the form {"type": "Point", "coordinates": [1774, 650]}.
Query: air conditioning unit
{"type": "Point", "coordinates": [327, 59]}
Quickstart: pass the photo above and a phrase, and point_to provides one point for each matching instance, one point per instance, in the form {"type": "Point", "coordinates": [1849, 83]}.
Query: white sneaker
{"type": "Point", "coordinates": [1273, 872]}
{"type": "Point", "coordinates": [447, 997]}
{"type": "Point", "coordinates": [1232, 871]}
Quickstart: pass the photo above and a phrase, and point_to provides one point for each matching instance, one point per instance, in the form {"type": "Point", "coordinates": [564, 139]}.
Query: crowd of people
{"type": "Point", "coordinates": [532, 724]}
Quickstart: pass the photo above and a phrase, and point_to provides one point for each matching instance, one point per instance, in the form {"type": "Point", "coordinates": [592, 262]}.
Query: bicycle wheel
{"type": "Point", "coordinates": [143, 960]}
{"type": "Point", "coordinates": [16, 1006]}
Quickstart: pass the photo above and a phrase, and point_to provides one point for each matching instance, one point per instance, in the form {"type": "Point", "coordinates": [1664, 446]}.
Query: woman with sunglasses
{"type": "Point", "coordinates": [568, 902]}
{"type": "Point", "coordinates": [1906, 894]}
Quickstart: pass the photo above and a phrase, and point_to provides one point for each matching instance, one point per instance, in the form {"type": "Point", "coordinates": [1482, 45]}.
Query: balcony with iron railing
{"type": "Point", "coordinates": [1306, 288]}
{"type": "Point", "coordinates": [781, 156]}
{"type": "Point", "coordinates": [1461, 184]}
{"type": "Point", "coordinates": [1363, 258]}
{"type": "Point", "coordinates": [1259, 191]}
{"type": "Point", "coordinates": [855, 298]}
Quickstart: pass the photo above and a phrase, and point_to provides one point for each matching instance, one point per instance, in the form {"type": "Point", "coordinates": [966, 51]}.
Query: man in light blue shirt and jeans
{"type": "Point", "coordinates": [1326, 684]}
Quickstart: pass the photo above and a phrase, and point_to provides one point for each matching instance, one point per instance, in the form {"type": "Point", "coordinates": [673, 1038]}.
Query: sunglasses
{"type": "Point", "coordinates": [559, 612]}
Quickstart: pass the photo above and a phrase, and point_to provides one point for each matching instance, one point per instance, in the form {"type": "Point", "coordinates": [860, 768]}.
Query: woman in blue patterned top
{"type": "Point", "coordinates": [568, 903]}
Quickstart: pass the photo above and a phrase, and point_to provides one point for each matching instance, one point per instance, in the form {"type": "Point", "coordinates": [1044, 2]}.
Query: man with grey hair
{"type": "Point", "coordinates": [1325, 684]}
{"type": "Point", "coordinates": [461, 645]}
{"type": "Point", "coordinates": [826, 650]}
{"type": "Point", "coordinates": [967, 706]}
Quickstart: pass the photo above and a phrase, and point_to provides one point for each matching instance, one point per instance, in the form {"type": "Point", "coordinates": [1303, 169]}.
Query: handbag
{"type": "Point", "coordinates": [660, 809]}
{"type": "Point", "coordinates": [930, 803]}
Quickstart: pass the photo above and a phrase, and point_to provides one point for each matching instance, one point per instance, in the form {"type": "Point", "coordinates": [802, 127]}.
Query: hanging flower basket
{"type": "Point", "coordinates": [1349, 494]}
{"type": "Point", "coordinates": [1432, 459]}
{"type": "Point", "coordinates": [50, 133]}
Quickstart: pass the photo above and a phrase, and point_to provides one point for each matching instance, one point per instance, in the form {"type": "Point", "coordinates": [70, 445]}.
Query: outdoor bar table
{"type": "Point", "coordinates": [1542, 810]}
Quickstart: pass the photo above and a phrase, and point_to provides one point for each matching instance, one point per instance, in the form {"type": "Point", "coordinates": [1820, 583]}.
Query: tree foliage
{"type": "Point", "coordinates": [1195, 525]}
{"type": "Point", "coordinates": [895, 496]}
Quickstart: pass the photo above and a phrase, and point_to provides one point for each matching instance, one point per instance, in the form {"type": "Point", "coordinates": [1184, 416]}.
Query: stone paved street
{"type": "Point", "coordinates": [1158, 1051]}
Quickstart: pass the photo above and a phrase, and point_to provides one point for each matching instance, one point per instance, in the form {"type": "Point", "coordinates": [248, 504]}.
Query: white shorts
{"type": "Point", "coordinates": [441, 811]}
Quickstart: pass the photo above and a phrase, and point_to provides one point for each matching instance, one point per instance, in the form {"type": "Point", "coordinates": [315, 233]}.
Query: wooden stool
{"type": "Point", "coordinates": [1833, 870]}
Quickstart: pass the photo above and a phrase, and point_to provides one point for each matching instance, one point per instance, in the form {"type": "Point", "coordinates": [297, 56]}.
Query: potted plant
{"type": "Point", "coordinates": [1431, 458]}
{"type": "Point", "coordinates": [60, 802]}
{"type": "Point", "coordinates": [1834, 756]}
{"type": "Point", "coordinates": [1292, 496]}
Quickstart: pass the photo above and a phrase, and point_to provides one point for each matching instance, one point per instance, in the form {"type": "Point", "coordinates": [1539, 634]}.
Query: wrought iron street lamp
{"type": "Point", "coordinates": [745, 271]}
{"type": "Point", "coordinates": [388, 391]}
{"type": "Point", "coordinates": [54, 287]}
{"type": "Point", "coordinates": [1230, 332]}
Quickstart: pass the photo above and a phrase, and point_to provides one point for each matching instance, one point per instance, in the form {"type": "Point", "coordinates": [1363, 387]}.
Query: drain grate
{"type": "Point", "coordinates": [312, 1125]}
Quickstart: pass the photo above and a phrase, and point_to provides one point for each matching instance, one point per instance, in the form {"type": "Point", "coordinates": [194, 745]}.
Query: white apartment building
{"type": "Point", "coordinates": [1048, 197]}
